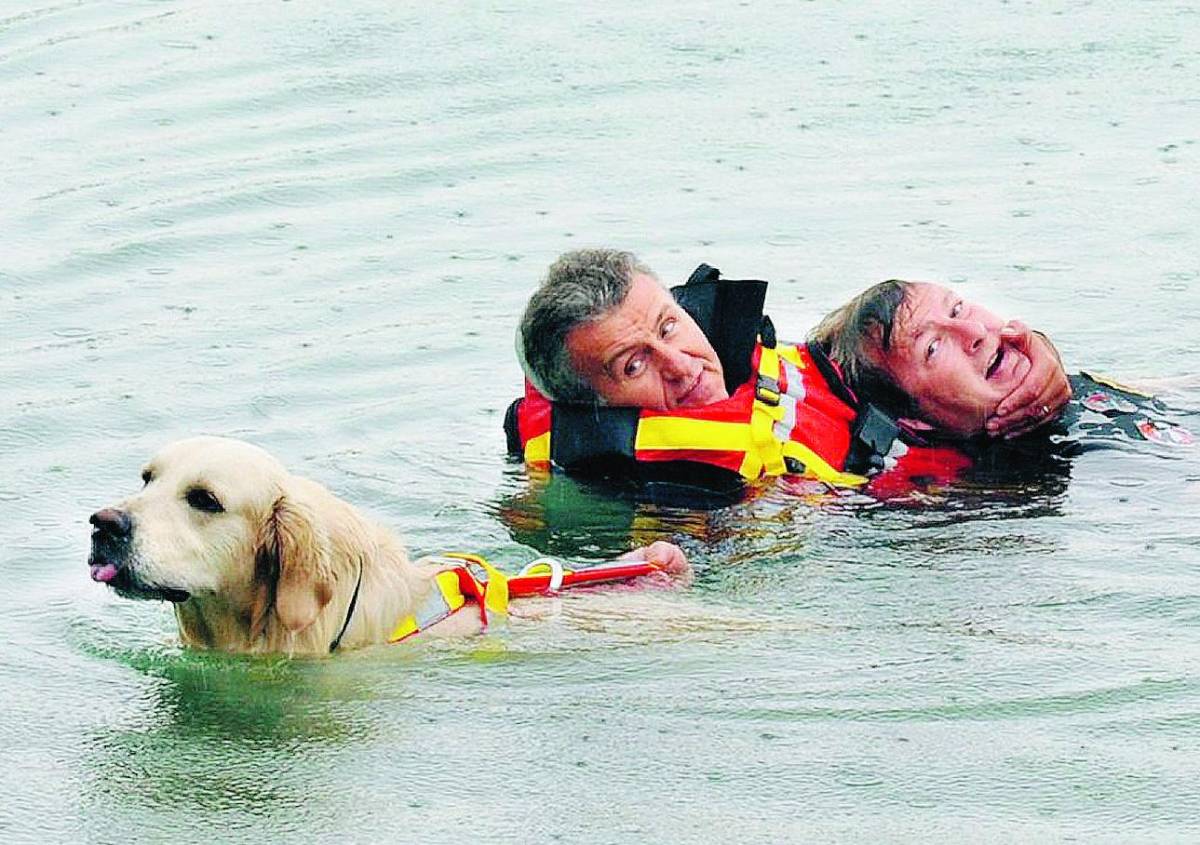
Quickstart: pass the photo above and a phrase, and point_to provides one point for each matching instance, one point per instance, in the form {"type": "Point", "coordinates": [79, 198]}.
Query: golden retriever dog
{"type": "Point", "coordinates": [258, 560]}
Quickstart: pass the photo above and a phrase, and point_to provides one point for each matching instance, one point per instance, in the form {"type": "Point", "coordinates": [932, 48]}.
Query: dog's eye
{"type": "Point", "coordinates": [146, 476]}
{"type": "Point", "coordinates": [202, 500]}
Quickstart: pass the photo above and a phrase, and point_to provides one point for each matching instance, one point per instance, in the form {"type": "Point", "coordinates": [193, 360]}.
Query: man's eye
{"type": "Point", "coordinates": [932, 349]}
{"type": "Point", "coordinates": [202, 500]}
{"type": "Point", "coordinates": [957, 309]}
{"type": "Point", "coordinates": [669, 326]}
{"type": "Point", "coordinates": [634, 367]}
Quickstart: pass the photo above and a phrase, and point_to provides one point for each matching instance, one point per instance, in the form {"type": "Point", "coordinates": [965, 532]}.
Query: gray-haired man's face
{"type": "Point", "coordinates": [648, 353]}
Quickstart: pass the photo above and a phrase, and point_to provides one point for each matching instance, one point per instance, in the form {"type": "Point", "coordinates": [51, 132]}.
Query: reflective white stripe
{"type": "Point", "coordinates": [789, 400]}
{"type": "Point", "coordinates": [434, 610]}
{"type": "Point", "coordinates": [795, 380]}
{"type": "Point", "coordinates": [783, 427]}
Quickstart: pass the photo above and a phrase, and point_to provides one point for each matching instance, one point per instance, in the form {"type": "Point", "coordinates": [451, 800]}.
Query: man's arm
{"type": "Point", "coordinates": [1040, 395]}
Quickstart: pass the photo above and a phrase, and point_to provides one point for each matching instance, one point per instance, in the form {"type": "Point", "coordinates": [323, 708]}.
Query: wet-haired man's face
{"type": "Point", "coordinates": [648, 353]}
{"type": "Point", "coordinates": [947, 353]}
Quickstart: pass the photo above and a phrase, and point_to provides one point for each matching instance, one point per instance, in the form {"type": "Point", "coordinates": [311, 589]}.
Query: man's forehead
{"type": "Point", "coordinates": [651, 287]}
{"type": "Point", "coordinates": [921, 302]}
{"type": "Point", "coordinates": [646, 301]}
{"type": "Point", "coordinates": [600, 342]}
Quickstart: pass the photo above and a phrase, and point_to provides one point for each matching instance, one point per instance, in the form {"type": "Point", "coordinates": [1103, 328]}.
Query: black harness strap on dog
{"type": "Point", "coordinates": [349, 610]}
{"type": "Point", "coordinates": [729, 312]}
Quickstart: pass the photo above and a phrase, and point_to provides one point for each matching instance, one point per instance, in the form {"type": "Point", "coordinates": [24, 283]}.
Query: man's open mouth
{"type": "Point", "coordinates": [997, 358]}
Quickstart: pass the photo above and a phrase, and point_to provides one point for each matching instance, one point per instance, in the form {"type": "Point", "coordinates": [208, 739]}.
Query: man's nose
{"type": "Point", "coordinates": [112, 523]}
{"type": "Point", "coordinates": [972, 333]}
{"type": "Point", "coordinates": [677, 365]}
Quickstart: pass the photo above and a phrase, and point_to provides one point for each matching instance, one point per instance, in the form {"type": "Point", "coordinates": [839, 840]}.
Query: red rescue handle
{"type": "Point", "coordinates": [532, 585]}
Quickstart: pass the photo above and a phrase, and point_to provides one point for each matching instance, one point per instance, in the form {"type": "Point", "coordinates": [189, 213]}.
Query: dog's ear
{"type": "Point", "coordinates": [266, 576]}
{"type": "Point", "coordinates": [291, 569]}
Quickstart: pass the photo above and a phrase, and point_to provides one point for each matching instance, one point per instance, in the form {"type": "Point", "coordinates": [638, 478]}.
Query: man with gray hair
{"type": "Point", "coordinates": [602, 329]}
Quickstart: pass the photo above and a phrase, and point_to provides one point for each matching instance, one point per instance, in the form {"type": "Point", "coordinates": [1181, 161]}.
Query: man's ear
{"type": "Point", "coordinates": [292, 570]}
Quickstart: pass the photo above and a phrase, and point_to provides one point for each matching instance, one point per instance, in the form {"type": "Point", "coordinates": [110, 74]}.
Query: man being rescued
{"type": "Point", "coordinates": [601, 338]}
{"type": "Point", "coordinates": [939, 365]}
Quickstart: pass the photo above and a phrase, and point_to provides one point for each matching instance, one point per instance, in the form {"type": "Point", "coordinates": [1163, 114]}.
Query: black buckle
{"type": "Point", "coordinates": [874, 433]}
{"type": "Point", "coordinates": [766, 390]}
{"type": "Point", "coordinates": [794, 466]}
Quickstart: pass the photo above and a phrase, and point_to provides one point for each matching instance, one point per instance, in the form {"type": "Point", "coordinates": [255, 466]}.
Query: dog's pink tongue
{"type": "Point", "coordinates": [103, 572]}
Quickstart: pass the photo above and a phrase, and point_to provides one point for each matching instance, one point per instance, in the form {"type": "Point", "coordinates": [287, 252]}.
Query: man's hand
{"type": "Point", "coordinates": [667, 555]}
{"type": "Point", "coordinates": [1040, 395]}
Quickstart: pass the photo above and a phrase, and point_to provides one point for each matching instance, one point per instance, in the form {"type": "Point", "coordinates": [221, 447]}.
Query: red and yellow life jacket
{"type": "Point", "coordinates": [784, 419]}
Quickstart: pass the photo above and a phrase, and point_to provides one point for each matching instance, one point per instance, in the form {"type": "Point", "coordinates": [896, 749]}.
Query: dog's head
{"type": "Point", "coordinates": [220, 520]}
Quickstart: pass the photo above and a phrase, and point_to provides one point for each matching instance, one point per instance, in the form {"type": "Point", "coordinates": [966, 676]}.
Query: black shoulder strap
{"type": "Point", "coordinates": [872, 436]}
{"type": "Point", "coordinates": [703, 273]}
{"type": "Point", "coordinates": [729, 312]}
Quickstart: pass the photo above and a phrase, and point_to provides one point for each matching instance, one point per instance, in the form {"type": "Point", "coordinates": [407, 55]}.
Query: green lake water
{"type": "Point", "coordinates": [313, 226]}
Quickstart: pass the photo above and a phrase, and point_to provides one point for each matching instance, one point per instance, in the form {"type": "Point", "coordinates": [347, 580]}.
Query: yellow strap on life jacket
{"type": "Point", "coordinates": [768, 410]}
{"type": "Point", "coordinates": [772, 439]}
{"type": "Point", "coordinates": [815, 465]}
{"type": "Point", "coordinates": [687, 433]}
{"type": "Point", "coordinates": [764, 440]}
{"type": "Point", "coordinates": [790, 352]}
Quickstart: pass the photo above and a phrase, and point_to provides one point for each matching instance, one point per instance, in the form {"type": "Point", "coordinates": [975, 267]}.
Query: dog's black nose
{"type": "Point", "coordinates": [112, 522]}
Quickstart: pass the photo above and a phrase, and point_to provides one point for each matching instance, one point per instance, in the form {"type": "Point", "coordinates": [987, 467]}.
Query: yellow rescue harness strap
{"type": "Point", "coordinates": [772, 419]}
{"type": "Point", "coordinates": [467, 578]}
